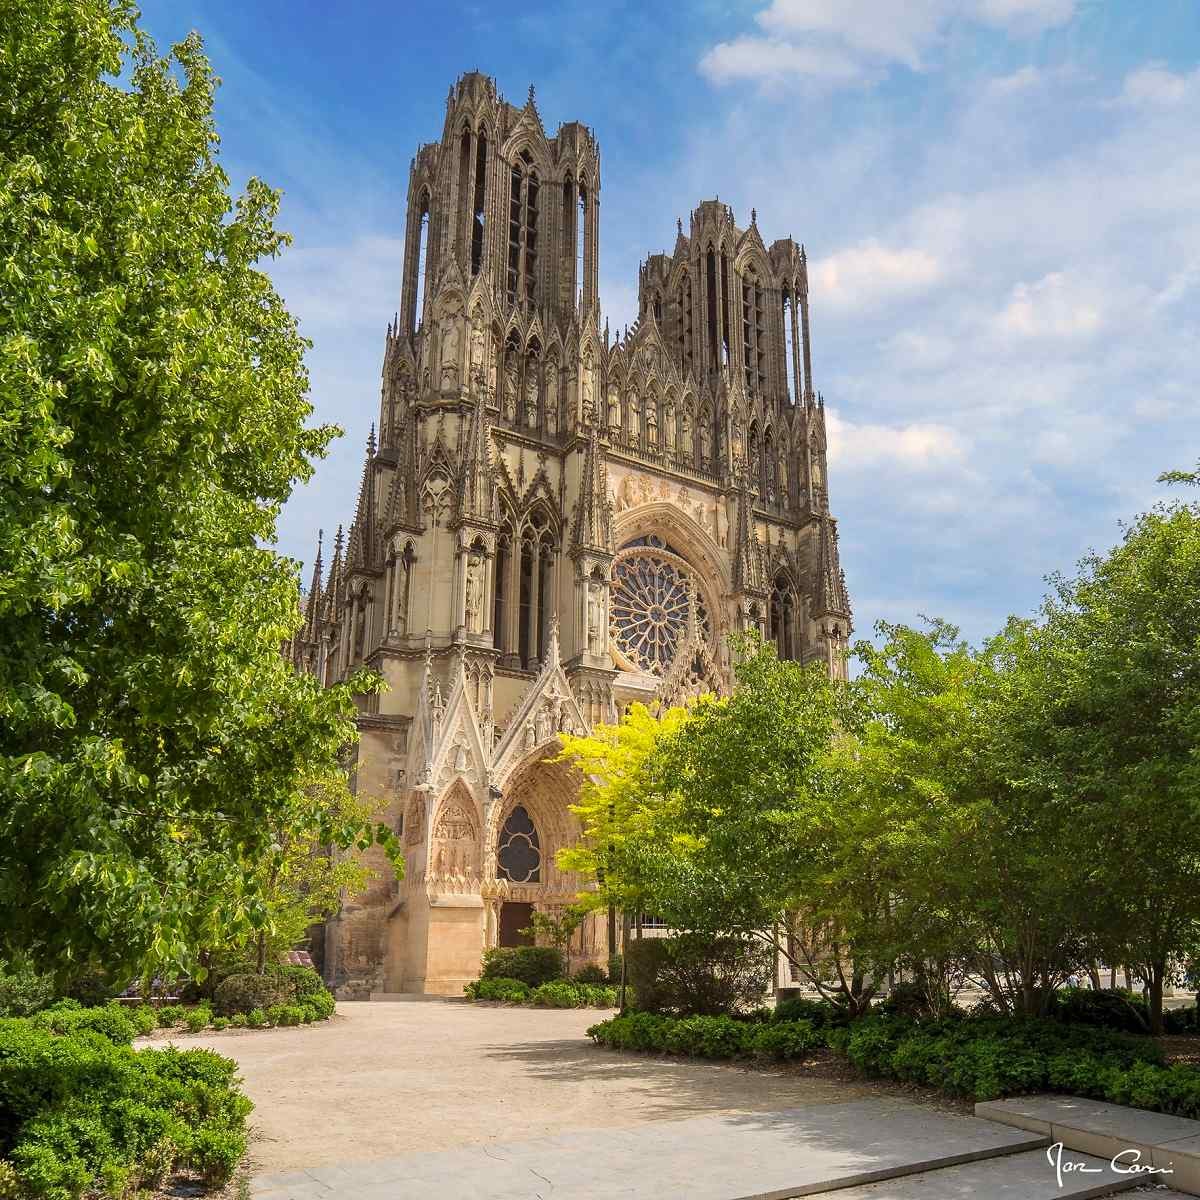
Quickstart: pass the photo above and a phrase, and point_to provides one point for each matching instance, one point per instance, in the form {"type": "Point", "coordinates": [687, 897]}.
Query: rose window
{"type": "Point", "coordinates": [654, 594]}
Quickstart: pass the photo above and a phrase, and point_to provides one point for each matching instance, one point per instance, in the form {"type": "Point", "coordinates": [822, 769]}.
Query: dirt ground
{"type": "Point", "coordinates": [384, 1079]}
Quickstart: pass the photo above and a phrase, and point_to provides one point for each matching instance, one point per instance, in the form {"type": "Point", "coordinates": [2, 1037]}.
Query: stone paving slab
{"type": "Point", "coordinates": [750, 1156]}
{"type": "Point", "coordinates": [1026, 1176]}
{"type": "Point", "coordinates": [1136, 1137]}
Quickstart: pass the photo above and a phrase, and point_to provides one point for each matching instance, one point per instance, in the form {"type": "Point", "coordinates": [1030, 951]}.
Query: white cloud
{"type": "Point", "coordinates": [1155, 86]}
{"type": "Point", "coordinates": [870, 273]}
{"type": "Point", "coordinates": [1056, 306]}
{"type": "Point", "coordinates": [840, 40]}
{"type": "Point", "coordinates": [761, 58]}
{"type": "Point", "coordinates": [916, 447]}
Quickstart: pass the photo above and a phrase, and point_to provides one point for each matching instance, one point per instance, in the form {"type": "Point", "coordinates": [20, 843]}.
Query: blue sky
{"type": "Point", "coordinates": [1000, 201]}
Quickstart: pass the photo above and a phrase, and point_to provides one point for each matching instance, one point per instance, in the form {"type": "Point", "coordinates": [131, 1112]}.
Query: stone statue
{"type": "Point", "coordinates": [510, 387]}
{"type": "Point", "coordinates": [478, 342]}
{"type": "Point", "coordinates": [614, 408]}
{"type": "Point", "coordinates": [543, 725]}
{"type": "Point", "coordinates": [450, 356]}
{"type": "Point", "coordinates": [706, 448]}
{"type": "Point", "coordinates": [531, 394]}
{"type": "Point", "coordinates": [669, 426]}
{"type": "Point", "coordinates": [474, 593]}
{"type": "Point", "coordinates": [552, 400]}
{"type": "Point", "coordinates": [595, 617]}
{"type": "Point", "coordinates": [587, 386]}
{"type": "Point", "coordinates": [633, 429]}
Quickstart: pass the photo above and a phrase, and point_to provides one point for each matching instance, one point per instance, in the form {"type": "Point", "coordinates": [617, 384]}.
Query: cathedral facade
{"type": "Point", "coordinates": [555, 522]}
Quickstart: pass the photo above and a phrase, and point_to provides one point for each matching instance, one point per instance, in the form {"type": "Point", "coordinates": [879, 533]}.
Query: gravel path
{"type": "Point", "coordinates": [386, 1079]}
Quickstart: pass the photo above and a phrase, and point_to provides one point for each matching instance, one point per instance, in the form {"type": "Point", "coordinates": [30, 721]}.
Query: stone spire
{"type": "Point", "coordinates": [315, 597]}
{"type": "Point", "coordinates": [477, 478]}
{"type": "Point", "coordinates": [831, 598]}
{"type": "Point", "coordinates": [592, 527]}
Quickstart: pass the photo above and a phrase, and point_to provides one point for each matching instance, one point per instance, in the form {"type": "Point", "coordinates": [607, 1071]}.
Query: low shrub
{"type": "Point", "coordinates": [786, 1039]}
{"type": "Point", "coordinates": [237, 1021]}
{"type": "Point", "coordinates": [556, 994]}
{"type": "Point", "coordinates": [322, 1003]}
{"type": "Point", "coordinates": [1181, 1020]}
{"type": "Point", "coordinates": [243, 993]}
{"type": "Point", "coordinates": [820, 1012]}
{"type": "Point", "coordinates": [590, 974]}
{"type": "Point", "coordinates": [198, 1018]}
{"type": "Point", "coordinates": [694, 974]}
{"type": "Point", "coordinates": [144, 1018]}
{"type": "Point", "coordinates": [707, 1036]}
{"type": "Point", "coordinates": [1112, 1008]}
{"type": "Point", "coordinates": [595, 995]}
{"type": "Point", "coordinates": [171, 1014]}
{"type": "Point", "coordinates": [220, 1023]}
{"type": "Point", "coordinates": [511, 991]}
{"type": "Point", "coordinates": [257, 1018]}
{"type": "Point", "coordinates": [285, 1014]}
{"type": "Point", "coordinates": [614, 968]}
{"type": "Point", "coordinates": [304, 981]}
{"type": "Point", "coordinates": [988, 1057]}
{"type": "Point", "coordinates": [23, 991]}
{"type": "Point", "coordinates": [80, 1113]}
{"type": "Point", "coordinates": [532, 965]}
{"type": "Point", "coordinates": [109, 1021]}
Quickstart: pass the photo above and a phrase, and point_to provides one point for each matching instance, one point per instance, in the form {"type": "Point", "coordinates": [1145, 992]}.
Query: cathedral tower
{"type": "Point", "coordinates": [552, 523]}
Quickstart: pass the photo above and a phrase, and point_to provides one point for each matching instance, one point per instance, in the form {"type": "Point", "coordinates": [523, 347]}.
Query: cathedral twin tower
{"type": "Point", "coordinates": [553, 523]}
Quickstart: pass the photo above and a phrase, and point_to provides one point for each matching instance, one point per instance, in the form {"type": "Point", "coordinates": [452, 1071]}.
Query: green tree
{"type": "Point", "coordinates": [1119, 727]}
{"type": "Point", "coordinates": [152, 422]}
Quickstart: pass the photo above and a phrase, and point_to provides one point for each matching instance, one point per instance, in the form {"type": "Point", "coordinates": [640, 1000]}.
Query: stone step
{"type": "Point", "coordinates": [1161, 1148]}
{"type": "Point", "coordinates": [732, 1156]}
{"type": "Point", "coordinates": [416, 998]}
{"type": "Point", "coordinates": [1029, 1175]}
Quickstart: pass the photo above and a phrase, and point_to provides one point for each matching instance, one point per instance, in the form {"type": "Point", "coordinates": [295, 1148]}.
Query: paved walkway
{"type": "Point", "coordinates": [384, 1080]}
{"type": "Point", "coordinates": [757, 1155]}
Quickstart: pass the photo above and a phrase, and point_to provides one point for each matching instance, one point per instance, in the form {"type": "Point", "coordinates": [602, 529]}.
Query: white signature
{"type": "Point", "coordinates": [1124, 1162]}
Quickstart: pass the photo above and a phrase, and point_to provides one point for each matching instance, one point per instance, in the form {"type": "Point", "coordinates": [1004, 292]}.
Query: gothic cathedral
{"type": "Point", "coordinates": [553, 523]}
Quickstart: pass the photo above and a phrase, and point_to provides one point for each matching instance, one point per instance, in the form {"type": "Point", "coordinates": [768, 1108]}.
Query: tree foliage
{"type": "Point", "coordinates": [153, 416]}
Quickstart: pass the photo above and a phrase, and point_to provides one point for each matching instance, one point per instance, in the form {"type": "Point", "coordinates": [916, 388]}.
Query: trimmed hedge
{"type": "Point", "coordinates": [707, 1037]}
{"type": "Point", "coordinates": [532, 965]}
{"type": "Point", "coordinates": [81, 1110]}
{"type": "Point", "coordinates": [981, 1058]}
{"type": "Point", "coordinates": [241, 993]}
{"type": "Point", "coordinates": [556, 993]}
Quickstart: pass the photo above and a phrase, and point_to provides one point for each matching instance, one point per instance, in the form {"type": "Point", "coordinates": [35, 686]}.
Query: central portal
{"type": "Point", "coordinates": [515, 917]}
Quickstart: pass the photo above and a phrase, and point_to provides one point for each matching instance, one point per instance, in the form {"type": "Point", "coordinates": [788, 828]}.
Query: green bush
{"type": "Point", "coordinates": [198, 1018]}
{"type": "Point", "coordinates": [237, 1021]}
{"type": "Point", "coordinates": [820, 1012]}
{"type": "Point", "coordinates": [694, 974]}
{"type": "Point", "coordinates": [595, 995]}
{"type": "Point", "coordinates": [80, 1112]}
{"type": "Point", "coordinates": [707, 1036]}
{"type": "Point", "coordinates": [532, 965]}
{"type": "Point", "coordinates": [285, 1014]}
{"type": "Point", "coordinates": [23, 991]}
{"type": "Point", "coordinates": [171, 1014]}
{"type": "Point", "coordinates": [558, 993]}
{"type": "Point", "coordinates": [109, 1021]}
{"type": "Point", "coordinates": [1112, 1008]}
{"type": "Point", "coordinates": [143, 1017]}
{"type": "Point", "coordinates": [988, 1057]}
{"type": "Point", "coordinates": [304, 981]}
{"type": "Point", "coordinates": [322, 1003]}
{"type": "Point", "coordinates": [257, 1018]}
{"type": "Point", "coordinates": [614, 968]}
{"type": "Point", "coordinates": [220, 1023]}
{"type": "Point", "coordinates": [590, 974]}
{"type": "Point", "coordinates": [786, 1039]}
{"type": "Point", "coordinates": [243, 993]}
{"type": "Point", "coordinates": [511, 991]}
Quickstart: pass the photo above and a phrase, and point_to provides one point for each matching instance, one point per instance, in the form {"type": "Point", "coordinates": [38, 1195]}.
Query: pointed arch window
{"type": "Point", "coordinates": [781, 617]}
{"type": "Point", "coordinates": [500, 594]}
{"type": "Point", "coordinates": [519, 850]}
{"type": "Point", "coordinates": [523, 231]}
{"type": "Point", "coordinates": [477, 218]}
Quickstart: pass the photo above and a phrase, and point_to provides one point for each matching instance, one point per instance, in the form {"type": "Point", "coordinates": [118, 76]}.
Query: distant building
{"type": "Point", "coordinates": [554, 522]}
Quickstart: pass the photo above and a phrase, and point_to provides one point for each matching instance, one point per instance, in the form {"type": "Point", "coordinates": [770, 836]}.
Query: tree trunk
{"type": "Point", "coordinates": [262, 951]}
{"type": "Point", "coordinates": [624, 959]}
{"type": "Point", "coordinates": [1157, 973]}
{"type": "Point", "coordinates": [1094, 975]}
